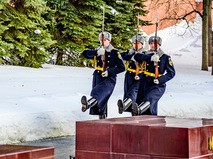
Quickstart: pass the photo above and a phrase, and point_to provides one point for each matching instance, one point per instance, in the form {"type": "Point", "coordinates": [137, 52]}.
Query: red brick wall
{"type": "Point", "coordinates": [168, 12]}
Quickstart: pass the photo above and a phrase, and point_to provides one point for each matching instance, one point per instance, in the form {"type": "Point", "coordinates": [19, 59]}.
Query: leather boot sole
{"type": "Point", "coordinates": [120, 106]}
{"type": "Point", "coordinates": [135, 110]}
{"type": "Point", "coordinates": [84, 104]}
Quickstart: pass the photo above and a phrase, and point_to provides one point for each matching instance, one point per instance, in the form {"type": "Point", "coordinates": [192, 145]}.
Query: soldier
{"type": "Point", "coordinates": [151, 88]}
{"type": "Point", "coordinates": [108, 64]}
{"type": "Point", "coordinates": [131, 80]}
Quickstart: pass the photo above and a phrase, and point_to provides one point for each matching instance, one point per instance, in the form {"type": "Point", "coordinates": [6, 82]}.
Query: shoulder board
{"type": "Point", "coordinates": [119, 55]}
{"type": "Point", "coordinates": [170, 61]}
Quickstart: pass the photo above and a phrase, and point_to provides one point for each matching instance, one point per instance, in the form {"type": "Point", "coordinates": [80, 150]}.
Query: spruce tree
{"type": "Point", "coordinates": [121, 21]}
{"type": "Point", "coordinates": [23, 33]}
{"type": "Point", "coordinates": [75, 27]}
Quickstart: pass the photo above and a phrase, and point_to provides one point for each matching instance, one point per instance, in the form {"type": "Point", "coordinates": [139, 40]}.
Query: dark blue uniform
{"type": "Point", "coordinates": [130, 83]}
{"type": "Point", "coordinates": [148, 90]}
{"type": "Point", "coordinates": [102, 87]}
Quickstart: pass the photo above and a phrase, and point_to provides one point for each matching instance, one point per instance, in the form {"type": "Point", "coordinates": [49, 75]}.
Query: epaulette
{"type": "Point", "coordinates": [170, 61]}
{"type": "Point", "coordinates": [119, 55]}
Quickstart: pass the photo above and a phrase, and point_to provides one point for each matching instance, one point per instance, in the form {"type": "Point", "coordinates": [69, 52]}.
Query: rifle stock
{"type": "Point", "coordinates": [156, 49]}
{"type": "Point", "coordinates": [102, 43]}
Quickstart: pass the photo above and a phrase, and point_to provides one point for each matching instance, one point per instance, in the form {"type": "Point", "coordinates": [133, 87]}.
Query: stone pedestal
{"type": "Point", "coordinates": [144, 137]}
{"type": "Point", "coordinates": [26, 152]}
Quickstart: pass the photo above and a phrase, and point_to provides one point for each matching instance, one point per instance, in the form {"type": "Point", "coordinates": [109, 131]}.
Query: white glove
{"type": "Point", "coordinates": [131, 51]}
{"type": "Point", "coordinates": [156, 81]}
{"type": "Point", "coordinates": [104, 74]}
{"type": "Point", "coordinates": [133, 59]}
{"type": "Point", "coordinates": [155, 58]}
{"type": "Point", "coordinates": [101, 51]}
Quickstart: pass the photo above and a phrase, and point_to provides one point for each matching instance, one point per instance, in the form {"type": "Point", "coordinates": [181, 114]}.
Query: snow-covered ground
{"type": "Point", "coordinates": [45, 102]}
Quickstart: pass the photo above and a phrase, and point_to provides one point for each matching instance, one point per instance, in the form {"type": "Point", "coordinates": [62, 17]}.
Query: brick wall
{"type": "Point", "coordinates": [168, 12]}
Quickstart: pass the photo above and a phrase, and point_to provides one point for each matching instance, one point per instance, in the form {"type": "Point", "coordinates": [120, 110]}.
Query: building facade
{"type": "Point", "coordinates": [170, 13]}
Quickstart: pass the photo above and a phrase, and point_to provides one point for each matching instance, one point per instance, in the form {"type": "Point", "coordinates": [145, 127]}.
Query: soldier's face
{"type": "Point", "coordinates": [152, 46]}
{"type": "Point", "coordinates": [106, 43]}
{"type": "Point", "coordinates": [138, 45]}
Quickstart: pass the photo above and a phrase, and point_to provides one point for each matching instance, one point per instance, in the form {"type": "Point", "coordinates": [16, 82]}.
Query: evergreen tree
{"type": "Point", "coordinates": [77, 23]}
{"type": "Point", "coordinates": [121, 21]}
{"type": "Point", "coordinates": [75, 27]}
{"type": "Point", "coordinates": [23, 34]}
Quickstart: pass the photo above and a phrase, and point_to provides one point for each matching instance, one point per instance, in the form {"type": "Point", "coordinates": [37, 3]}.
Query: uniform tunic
{"type": "Point", "coordinates": [148, 90]}
{"type": "Point", "coordinates": [130, 84]}
{"type": "Point", "coordinates": [102, 87]}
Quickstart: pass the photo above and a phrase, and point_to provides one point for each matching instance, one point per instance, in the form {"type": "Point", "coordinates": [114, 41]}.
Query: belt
{"type": "Point", "coordinates": [150, 74]}
{"type": "Point", "coordinates": [133, 70]}
{"type": "Point", "coordinates": [99, 68]}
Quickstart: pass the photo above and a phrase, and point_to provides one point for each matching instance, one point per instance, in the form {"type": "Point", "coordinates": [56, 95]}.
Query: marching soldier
{"type": "Point", "coordinates": [151, 88]}
{"type": "Point", "coordinates": [108, 64]}
{"type": "Point", "coordinates": [131, 80]}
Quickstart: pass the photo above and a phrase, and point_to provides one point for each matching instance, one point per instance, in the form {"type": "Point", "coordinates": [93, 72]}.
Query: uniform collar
{"type": "Point", "coordinates": [132, 50]}
{"type": "Point", "coordinates": [160, 52]}
{"type": "Point", "coordinates": [109, 48]}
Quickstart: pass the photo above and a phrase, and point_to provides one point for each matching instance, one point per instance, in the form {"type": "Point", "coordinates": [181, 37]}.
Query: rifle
{"type": "Point", "coordinates": [102, 43]}
{"type": "Point", "coordinates": [137, 70]}
{"type": "Point", "coordinates": [156, 49]}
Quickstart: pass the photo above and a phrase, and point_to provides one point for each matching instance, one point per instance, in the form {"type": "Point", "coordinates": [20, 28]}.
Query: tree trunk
{"type": "Point", "coordinates": [211, 41]}
{"type": "Point", "coordinates": [210, 33]}
{"type": "Point", "coordinates": [59, 57]}
{"type": "Point", "coordinates": [205, 28]}
{"type": "Point", "coordinates": [212, 52]}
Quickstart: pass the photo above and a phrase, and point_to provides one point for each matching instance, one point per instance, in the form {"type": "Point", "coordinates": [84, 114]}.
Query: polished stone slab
{"type": "Point", "coordinates": [144, 137]}
{"type": "Point", "coordinates": [26, 152]}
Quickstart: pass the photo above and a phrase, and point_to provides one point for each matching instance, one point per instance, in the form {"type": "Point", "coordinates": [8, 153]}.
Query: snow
{"type": "Point", "coordinates": [45, 102]}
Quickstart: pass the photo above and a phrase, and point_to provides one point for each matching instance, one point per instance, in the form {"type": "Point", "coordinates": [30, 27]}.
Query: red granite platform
{"type": "Point", "coordinates": [144, 137]}
{"type": "Point", "coordinates": [26, 152]}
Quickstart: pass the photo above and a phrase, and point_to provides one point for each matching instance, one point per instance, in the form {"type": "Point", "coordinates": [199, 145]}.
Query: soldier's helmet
{"type": "Point", "coordinates": [139, 38]}
{"type": "Point", "coordinates": [107, 35]}
{"type": "Point", "coordinates": [152, 39]}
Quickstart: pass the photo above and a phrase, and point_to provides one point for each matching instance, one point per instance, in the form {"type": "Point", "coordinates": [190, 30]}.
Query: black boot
{"type": "Point", "coordinates": [87, 104]}
{"type": "Point", "coordinates": [138, 110]}
{"type": "Point", "coordinates": [102, 116]}
{"type": "Point", "coordinates": [124, 105]}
